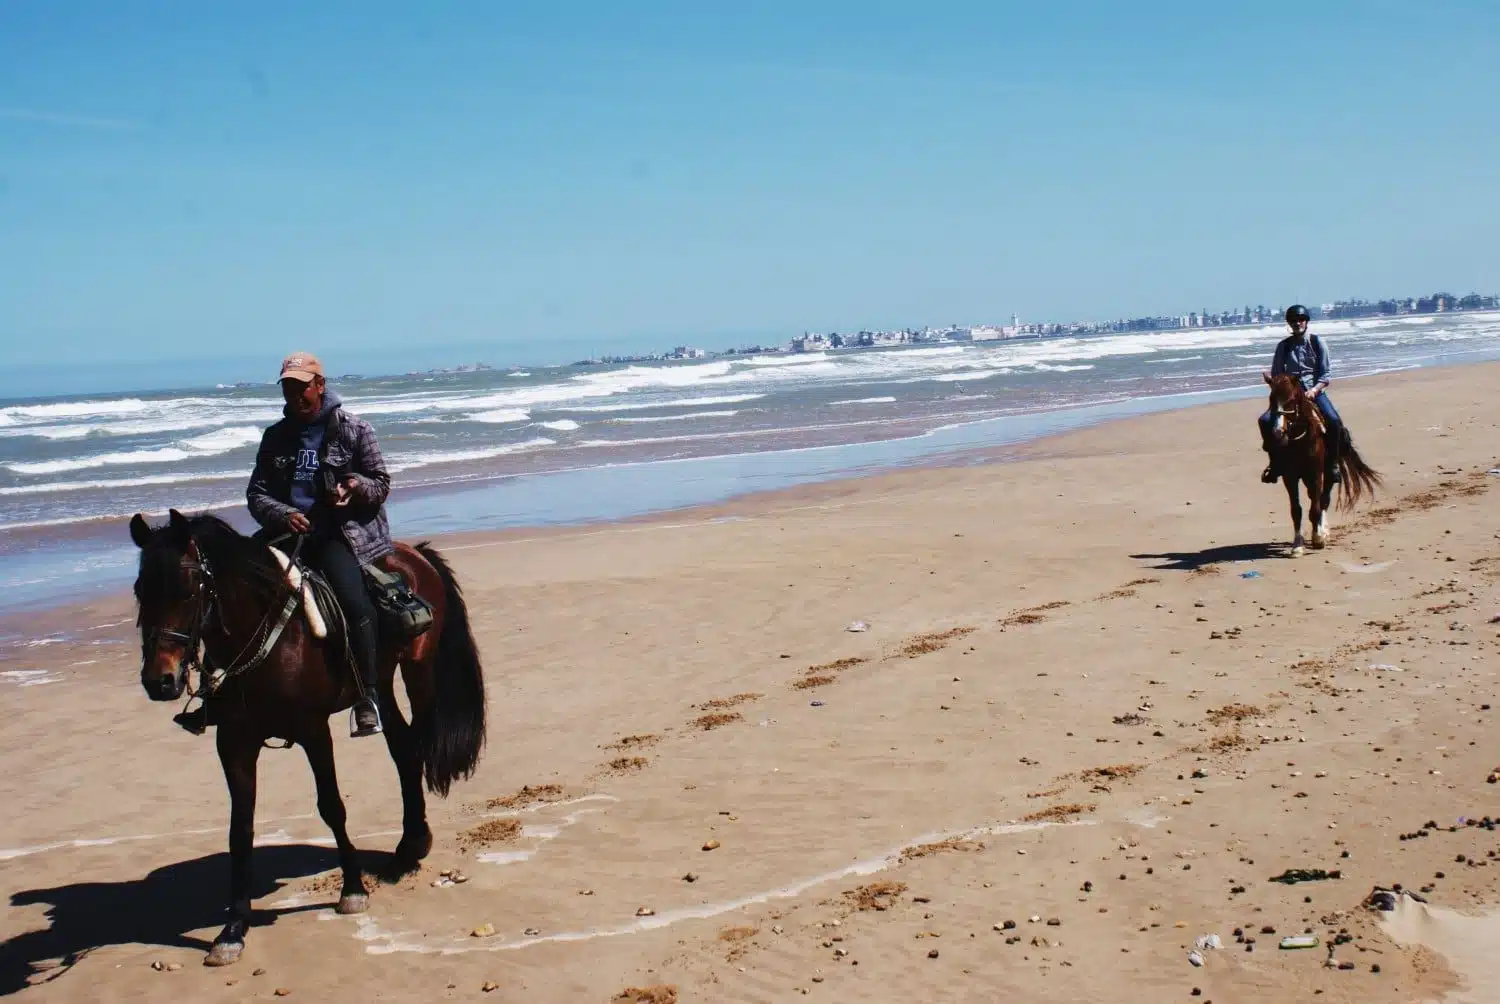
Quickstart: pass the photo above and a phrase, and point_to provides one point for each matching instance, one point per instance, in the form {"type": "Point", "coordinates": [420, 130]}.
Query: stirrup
{"type": "Point", "coordinates": [355, 731]}
{"type": "Point", "coordinates": [194, 721]}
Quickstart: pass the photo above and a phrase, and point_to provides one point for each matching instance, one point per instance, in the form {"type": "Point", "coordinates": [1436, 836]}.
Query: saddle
{"type": "Point", "coordinates": [402, 614]}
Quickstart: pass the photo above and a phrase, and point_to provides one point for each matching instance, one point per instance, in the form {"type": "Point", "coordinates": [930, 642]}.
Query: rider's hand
{"type": "Point", "coordinates": [344, 491]}
{"type": "Point", "coordinates": [1315, 392]}
{"type": "Point", "coordinates": [298, 523]}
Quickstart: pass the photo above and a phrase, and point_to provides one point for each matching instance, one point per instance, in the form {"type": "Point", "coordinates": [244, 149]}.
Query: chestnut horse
{"type": "Point", "coordinates": [1302, 458]}
{"type": "Point", "coordinates": [201, 582]}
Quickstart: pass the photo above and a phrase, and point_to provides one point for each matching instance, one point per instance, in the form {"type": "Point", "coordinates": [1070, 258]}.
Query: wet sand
{"type": "Point", "coordinates": [1070, 704]}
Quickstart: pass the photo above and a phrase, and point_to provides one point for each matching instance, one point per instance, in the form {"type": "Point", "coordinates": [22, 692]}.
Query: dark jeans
{"type": "Point", "coordinates": [1330, 416]}
{"type": "Point", "coordinates": [331, 556]}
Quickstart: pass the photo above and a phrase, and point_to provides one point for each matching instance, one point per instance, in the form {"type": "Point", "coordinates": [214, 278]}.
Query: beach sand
{"type": "Point", "coordinates": [1070, 704]}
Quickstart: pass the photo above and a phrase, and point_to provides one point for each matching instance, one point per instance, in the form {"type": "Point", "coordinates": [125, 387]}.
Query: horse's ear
{"type": "Point", "coordinates": [1267, 378]}
{"type": "Point", "coordinates": [140, 531]}
{"type": "Point", "coordinates": [177, 521]}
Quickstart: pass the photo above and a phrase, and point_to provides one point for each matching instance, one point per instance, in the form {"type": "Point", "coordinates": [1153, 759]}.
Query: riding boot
{"type": "Point", "coordinates": [1270, 475]}
{"type": "Point", "coordinates": [1333, 445]}
{"type": "Point", "coordinates": [362, 640]}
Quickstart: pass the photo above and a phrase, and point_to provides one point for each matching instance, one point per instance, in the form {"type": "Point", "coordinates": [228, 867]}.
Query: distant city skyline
{"type": "Point", "coordinates": [1430, 303]}
{"type": "Point", "coordinates": [72, 377]}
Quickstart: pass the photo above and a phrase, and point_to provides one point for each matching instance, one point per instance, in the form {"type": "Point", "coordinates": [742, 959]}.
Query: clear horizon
{"type": "Point", "coordinates": [532, 185]}
{"type": "Point", "coordinates": [107, 377]}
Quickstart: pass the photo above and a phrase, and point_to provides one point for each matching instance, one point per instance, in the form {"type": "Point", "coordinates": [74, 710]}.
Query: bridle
{"type": "Point", "coordinates": [206, 601]}
{"type": "Point", "coordinates": [190, 641]}
{"type": "Point", "coordinates": [1289, 417]}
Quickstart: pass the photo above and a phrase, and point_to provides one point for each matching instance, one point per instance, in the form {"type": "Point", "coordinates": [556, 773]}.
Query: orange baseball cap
{"type": "Point", "coordinates": [301, 366]}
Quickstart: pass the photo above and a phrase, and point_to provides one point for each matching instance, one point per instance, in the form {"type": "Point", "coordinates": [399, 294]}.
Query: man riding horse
{"type": "Point", "coordinates": [319, 474]}
{"type": "Point", "coordinates": [1305, 359]}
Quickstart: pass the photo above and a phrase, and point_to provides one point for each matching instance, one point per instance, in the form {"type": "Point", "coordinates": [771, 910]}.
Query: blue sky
{"type": "Point", "coordinates": [516, 181]}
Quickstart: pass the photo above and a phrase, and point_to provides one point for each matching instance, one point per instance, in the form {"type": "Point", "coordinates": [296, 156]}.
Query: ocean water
{"type": "Point", "coordinates": [512, 447]}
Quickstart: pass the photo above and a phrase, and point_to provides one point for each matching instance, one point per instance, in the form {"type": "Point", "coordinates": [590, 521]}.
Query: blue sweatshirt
{"type": "Point", "coordinates": [305, 477]}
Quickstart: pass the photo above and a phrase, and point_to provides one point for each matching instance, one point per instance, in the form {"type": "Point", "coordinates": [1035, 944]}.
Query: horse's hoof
{"type": "Point", "coordinates": [1298, 551]}
{"type": "Point", "coordinates": [414, 849]}
{"type": "Point", "coordinates": [224, 953]}
{"type": "Point", "coordinates": [353, 902]}
{"type": "Point", "coordinates": [1318, 543]}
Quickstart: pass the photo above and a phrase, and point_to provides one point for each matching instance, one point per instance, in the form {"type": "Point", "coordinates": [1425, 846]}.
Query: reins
{"type": "Point", "coordinates": [264, 638]}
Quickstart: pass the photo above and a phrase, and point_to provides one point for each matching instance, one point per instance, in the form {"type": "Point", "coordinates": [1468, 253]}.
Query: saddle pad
{"type": "Point", "coordinates": [316, 622]}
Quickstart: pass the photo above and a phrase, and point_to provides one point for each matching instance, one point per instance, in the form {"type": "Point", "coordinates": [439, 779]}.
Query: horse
{"type": "Point", "coordinates": [201, 582]}
{"type": "Point", "coordinates": [1302, 459]}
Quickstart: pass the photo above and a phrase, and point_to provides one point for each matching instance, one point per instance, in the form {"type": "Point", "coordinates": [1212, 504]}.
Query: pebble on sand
{"type": "Point", "coordinates": [711, 845]}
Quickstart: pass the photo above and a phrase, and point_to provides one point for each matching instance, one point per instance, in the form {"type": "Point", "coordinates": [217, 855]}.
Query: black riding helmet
{"type": "Point", "coordinates": [1297, 312]}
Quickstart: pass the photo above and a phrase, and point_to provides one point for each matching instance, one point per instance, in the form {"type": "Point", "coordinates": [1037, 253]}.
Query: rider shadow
{"type": "Point", "coordinates": [160, 909]}
{"type": "Point", "coordinates": [1187, 561]}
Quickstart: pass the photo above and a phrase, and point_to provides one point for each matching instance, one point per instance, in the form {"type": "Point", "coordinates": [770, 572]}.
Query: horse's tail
{"type": "Point", "coordinates": [452, 736]}
{"type": "Point", "coordinates": [1359, 477]}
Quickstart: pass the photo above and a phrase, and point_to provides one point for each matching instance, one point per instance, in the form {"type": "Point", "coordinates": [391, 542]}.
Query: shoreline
{"type": "Point", "coordinates": [1056, 429]}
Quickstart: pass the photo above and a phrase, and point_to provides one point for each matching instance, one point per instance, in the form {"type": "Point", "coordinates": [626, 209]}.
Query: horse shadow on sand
{"type": "Point", "coordinates": [161, 909]}
{"type": "Point", "coordinates": [1188, 561]}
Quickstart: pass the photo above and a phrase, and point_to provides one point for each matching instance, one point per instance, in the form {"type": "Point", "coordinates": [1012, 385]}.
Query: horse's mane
{"type": "Point", "coordinates": [232, 553]}
{"type": "Point", "coordinates": [1284, 386]}
{"type": "Point", "coordinates": [232, 557]}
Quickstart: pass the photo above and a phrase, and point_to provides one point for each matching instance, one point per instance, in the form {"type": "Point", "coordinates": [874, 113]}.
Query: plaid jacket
{"type": "Point", "coordinates": [349, 450]}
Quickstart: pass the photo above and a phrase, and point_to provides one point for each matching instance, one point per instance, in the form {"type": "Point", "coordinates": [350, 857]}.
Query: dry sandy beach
{"type": "Point", "coordinates": [1074, 738]}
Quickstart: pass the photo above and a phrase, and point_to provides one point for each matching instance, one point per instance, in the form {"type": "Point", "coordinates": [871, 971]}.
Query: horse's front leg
{"type": "Point", "coordinates": [1296, 504]}
{"type": "Point", "coordinates": [318, 744]}
{"type": "Point", "coordinates": [239, 753]}
{"type": "Point", "coordinates": [1315, 499]}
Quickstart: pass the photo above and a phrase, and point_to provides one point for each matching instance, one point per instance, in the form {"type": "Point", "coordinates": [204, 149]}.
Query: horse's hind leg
{"type": "Point", "coordinates": [238, 754]}
{"type": "Point", "coordinates": [401, 740]}
{"type": "Point", "coordinates": [1296, 506]}
{"type": "Point", "coordinates": [317, 742]}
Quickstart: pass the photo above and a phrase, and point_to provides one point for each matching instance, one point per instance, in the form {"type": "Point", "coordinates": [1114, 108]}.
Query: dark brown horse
{"type": "Point", "coordinates": [202, 582]}
{"type": "Point", "coordinates": [1302, 458]}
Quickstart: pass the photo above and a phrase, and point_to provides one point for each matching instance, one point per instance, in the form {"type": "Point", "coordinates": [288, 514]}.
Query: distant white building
{"type": "Point", "coordinates": [986, 333]}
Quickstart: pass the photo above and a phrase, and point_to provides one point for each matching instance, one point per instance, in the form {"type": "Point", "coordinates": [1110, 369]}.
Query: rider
{"type": "Point", "coordinates": [1306, 359]}
{"type": "Point", "coordinates": [319, 473]}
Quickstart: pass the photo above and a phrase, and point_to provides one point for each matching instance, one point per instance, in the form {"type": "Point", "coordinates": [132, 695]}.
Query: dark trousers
{"type": "Point", "coordinates": [331, 556]}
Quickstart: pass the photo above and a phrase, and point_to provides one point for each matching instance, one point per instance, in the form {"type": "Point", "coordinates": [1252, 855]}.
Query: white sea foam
{"type": "Point", "coordinates": [501, 416]}
{"type": "Point", "coordinates": [561, 425]}
{"type": "Point", "coordinates": [678, 417]}
{"type": "Point", "coordinates": [795, 359]}
{"type": "Point", "coordinates": [220, 441]}
{"type": "Point", "coordinates": [682, 402]}
{"type": "Point", "coordinates": [866, 400]}
{"type": "Point", "coordinates": [969, 375]}
{"type": "Point", "coordinates": [416, 460]}
{"type": "Point", "coordinates": [52, 487]}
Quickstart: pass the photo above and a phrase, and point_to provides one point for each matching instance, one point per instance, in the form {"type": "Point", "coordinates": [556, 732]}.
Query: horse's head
{"type": "Point", "coordinates": [1290, 404]}
{"type": "Point", "coordinates": [171, 592]}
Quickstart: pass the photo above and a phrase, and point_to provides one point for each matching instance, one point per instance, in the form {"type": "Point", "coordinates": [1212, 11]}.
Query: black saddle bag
{"type": "Point", "coordinates": [403, 614]}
